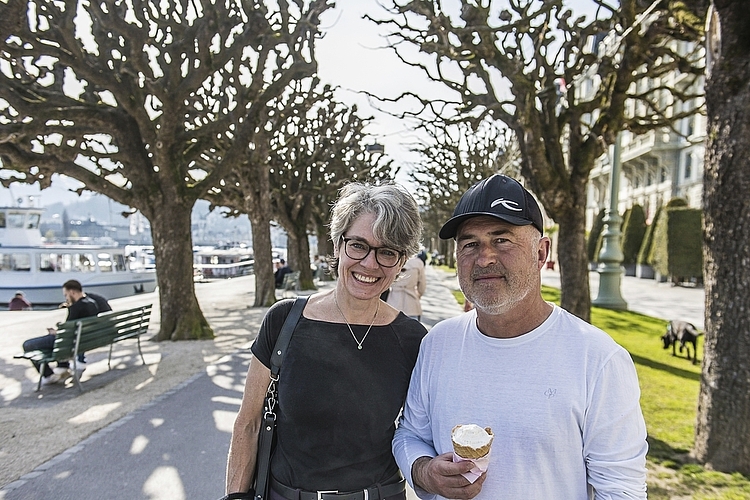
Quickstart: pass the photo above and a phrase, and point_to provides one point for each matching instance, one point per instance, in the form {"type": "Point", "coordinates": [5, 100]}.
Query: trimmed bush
{"type": "Point", "coordinates": [678, 244]}
{"type": "Point", "coordinates": [594, 242]}
{"type": "Point", "coordinates": [644, 254]}
{"type": "Point", "coordinates": [677, 202]}
{"type": "Point", "coordinates": [633, 231]}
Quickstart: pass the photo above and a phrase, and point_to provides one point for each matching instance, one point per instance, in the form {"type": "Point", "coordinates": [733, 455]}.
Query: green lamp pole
{"type": "Point", "coordinates": [610, 256]}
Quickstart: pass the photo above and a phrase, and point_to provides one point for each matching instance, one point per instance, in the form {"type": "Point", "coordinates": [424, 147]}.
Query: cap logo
{"type": "Point", "coordinates": [506, 204]}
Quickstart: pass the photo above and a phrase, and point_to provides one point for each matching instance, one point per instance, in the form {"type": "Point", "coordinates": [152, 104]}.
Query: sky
{"type": "Point", "coordinates": [350, 56]}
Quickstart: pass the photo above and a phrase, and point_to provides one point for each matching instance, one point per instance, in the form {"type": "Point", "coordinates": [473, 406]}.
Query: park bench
{"type": "Point", "coordinates": [290, 283]}
{"type": "Point", "coordinates": [86, 334]}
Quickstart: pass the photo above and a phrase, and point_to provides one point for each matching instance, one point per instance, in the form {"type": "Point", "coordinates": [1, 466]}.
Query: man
{"type": "Point", "coordinates": [281, 271]}
{"type": "Point", "coordinates": [79, 306]}
{"type": "Point", "coordinates": [561, 397]}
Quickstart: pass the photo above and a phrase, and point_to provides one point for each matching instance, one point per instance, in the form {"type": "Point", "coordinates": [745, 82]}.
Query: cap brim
{"type": "Point", "coordinates": [450, 228]}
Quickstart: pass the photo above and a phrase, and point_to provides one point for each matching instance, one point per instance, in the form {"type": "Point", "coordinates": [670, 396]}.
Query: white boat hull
{"type": "Point", "coordinates": [39, 270]}
{"type": "Point", "coordinates": [46, 288]}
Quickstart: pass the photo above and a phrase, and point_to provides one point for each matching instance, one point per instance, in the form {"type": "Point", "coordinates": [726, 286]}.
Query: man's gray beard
{"type": "Point", "coordinates": [495, 308]}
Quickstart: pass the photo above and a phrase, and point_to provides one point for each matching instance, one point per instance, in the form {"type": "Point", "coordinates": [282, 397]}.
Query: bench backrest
{"type": "Point", "coordinates": [291, 281]}
{"type": "Point", "coordinates": [100, 331]}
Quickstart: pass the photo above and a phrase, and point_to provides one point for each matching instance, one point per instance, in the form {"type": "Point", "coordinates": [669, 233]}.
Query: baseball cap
{"type": "Point", "coordinates": [498, 196]}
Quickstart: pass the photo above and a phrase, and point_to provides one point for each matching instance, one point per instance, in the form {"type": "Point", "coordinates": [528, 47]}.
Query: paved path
{"type": "Point", "coordinates": [174, 447]}
{"type": "Point", "coordinates": [660, 300]}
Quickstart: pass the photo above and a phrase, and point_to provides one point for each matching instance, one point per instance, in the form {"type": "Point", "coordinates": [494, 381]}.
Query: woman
{"type": "Point", "coordinates": [406, 292]}
{"type": "Point", "coordinates": [346, 371]}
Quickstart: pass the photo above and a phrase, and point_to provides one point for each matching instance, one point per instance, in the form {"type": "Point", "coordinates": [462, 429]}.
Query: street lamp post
{"type": "Point", "coordinates": [610, 256]}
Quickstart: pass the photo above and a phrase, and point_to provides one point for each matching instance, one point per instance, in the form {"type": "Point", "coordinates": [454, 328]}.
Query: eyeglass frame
{"type": "Point", "coordinates": [370, 248]}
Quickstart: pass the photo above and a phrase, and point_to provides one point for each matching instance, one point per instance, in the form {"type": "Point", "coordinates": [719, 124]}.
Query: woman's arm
{"type": "Point", "coordinates": [244, 445]}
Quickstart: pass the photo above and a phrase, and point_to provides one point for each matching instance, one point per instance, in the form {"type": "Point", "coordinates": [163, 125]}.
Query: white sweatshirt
{"type": "Point", "coordinates": [562, 401]}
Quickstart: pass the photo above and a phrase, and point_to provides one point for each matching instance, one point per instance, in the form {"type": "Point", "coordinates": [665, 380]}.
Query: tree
{"type": "Point", "coordinates": [149, 103]}
{"type": "Point", "coordinates": [524, 65]}
{"type": "Point", "coordinates": [455, 156]}
{"type": "Point", "coordinates": [247, 190]}
{"type": "Point", "coordinates": [722, 439]}
{"type": "Point", "coordinates": [318, 148]}
{"type": "Point", "coordinates": [308, 148]}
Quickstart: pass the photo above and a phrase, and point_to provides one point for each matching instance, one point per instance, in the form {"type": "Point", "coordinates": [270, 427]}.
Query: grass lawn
{"type": "Point", "coordinates": [669, 399]}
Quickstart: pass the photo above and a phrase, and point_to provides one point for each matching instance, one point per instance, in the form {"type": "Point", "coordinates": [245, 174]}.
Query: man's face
{"type": "Point", "coordinates": [68, 294]}
{"type": "Point", "coordinates": [499, 263]}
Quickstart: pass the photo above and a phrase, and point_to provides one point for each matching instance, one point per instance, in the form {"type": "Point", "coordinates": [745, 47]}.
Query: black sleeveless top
{"type": "Point", "coordinates": [337, 404]}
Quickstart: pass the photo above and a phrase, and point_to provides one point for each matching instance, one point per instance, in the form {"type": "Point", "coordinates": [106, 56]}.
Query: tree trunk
{"type": "Point", "coordinates": [575, 292]}
{"type": "Point", "coordinates": [265, 289]}
{"type": "Point", "coordinates": [325, 245]}
{"type": "Point", "coordinates": [722, 439]}
{"type": "Point", "coordinates": [298, 252]}
{"type": "Point", "coordinates": [257, 196]}
{"type": "Point", "coordinates": [181, 317]}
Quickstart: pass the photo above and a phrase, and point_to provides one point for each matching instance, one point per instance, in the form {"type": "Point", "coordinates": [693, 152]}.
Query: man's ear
{"type": "Point", "coordinates": [543, 251]}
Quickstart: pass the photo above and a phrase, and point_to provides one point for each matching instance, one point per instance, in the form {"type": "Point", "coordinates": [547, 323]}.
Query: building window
{"type": "Point", "coordinates": [662, 175]}
{"type": "Point", "coordinates": [688, 166]}
{"type": "Point", "coordinates": [649, 178]}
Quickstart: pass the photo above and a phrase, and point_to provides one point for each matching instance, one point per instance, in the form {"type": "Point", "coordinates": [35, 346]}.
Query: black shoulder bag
{"type": "Point", "coordinates": [266, 437]}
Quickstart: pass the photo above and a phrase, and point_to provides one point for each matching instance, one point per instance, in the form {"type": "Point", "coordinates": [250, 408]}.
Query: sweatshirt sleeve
{"type": "Point", "coordinates": [413, 437]}
{"type": "Point", "coordinates": [614, 435]}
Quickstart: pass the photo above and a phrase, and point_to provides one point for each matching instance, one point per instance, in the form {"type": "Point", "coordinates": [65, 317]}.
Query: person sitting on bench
{"type": "Point", "coordinates": [282, 271]}
{"type": "Point", "coordinates": [79, 306]}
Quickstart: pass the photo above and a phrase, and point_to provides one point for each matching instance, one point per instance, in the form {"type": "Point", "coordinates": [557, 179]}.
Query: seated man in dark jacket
{"type": "Point", "coordinates": [79, 306]}
{"type": "Point", "coordinates": [282, 271]}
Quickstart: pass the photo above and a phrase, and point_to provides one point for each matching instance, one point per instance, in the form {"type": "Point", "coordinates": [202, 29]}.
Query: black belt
{"type": "Point", "coordinates": [371, 493]}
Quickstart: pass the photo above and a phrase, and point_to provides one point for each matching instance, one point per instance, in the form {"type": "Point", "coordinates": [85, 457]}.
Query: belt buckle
{"type": "Point", "coordinates": [324, 492]}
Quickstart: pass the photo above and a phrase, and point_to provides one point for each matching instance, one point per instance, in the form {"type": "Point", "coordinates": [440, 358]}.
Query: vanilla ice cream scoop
{"type": "Point", "coordinates": [471, 441]}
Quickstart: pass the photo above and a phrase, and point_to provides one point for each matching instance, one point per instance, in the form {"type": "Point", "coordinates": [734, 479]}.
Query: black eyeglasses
{"type": "Point", "coordinates": [359, 250]}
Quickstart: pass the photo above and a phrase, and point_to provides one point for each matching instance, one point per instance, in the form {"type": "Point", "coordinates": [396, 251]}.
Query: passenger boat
{"type": "Point", "coordinates": [225, 261]}
{"type": "Point", "coordinates": [39, 269]}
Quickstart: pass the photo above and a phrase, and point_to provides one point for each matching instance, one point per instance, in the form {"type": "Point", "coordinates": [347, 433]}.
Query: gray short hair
{"type": "Point", "coordinates": [398, 224]}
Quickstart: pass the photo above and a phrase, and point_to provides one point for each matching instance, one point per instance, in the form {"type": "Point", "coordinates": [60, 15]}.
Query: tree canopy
{"type": "Point", "coordinates": [149, 103]}
{"type": "Point", "coordinates": [562, 82]}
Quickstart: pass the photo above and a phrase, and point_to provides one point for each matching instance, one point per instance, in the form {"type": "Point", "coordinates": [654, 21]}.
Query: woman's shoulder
{"type": "Point", "coordinates": [406, 327]}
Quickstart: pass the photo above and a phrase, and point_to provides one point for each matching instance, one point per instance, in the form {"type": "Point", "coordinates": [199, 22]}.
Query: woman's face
{"type": "Point", "coordinates": [364, 279]}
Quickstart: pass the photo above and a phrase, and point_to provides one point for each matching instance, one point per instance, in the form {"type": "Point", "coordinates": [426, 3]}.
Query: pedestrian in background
{"type": "Point", "coordinates": [406, 292]}
{"type": "Point", "coordinates": [345, 373]}
{"type": "Point", "coordinates": [19, 302]}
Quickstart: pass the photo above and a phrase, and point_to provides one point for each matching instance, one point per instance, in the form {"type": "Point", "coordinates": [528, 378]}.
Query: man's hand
{"type": "Point", "coordinates": [51, 331]}
{"type": "Point", "coordinates": [442, 476]}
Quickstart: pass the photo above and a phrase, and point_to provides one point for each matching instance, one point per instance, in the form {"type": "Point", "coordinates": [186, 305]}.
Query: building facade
{"type": "Point", "coordinates": [661, 164]}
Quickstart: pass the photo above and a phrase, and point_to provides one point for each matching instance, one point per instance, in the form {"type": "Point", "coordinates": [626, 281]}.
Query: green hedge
{"type": "Point", "coordinates": [647, 246]}
{"type": "Point", "coordinates": [633, 231]}
{"type": "Point", "coordinates": [678, 243]}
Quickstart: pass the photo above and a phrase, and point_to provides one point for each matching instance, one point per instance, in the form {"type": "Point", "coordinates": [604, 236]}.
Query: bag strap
{"type": "Point", "coordinates": [279, 349]}
{"type": "Point", "coordinates": [265, 438]}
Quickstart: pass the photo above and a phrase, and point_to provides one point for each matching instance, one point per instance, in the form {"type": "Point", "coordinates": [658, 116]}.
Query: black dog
{"type": "Point", "coordinates": [685, 333]}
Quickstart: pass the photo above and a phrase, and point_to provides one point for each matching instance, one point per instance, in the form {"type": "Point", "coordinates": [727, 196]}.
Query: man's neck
{"type": "Point", "coordinates": [521, 320]}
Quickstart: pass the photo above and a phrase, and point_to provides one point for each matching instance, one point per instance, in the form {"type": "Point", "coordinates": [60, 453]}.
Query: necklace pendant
{"type": "Point", "coordinates": [359, 347]}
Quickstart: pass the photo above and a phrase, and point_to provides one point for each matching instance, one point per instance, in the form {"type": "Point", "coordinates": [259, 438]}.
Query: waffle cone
{"type": "Point", "coordinates": [469, 451]}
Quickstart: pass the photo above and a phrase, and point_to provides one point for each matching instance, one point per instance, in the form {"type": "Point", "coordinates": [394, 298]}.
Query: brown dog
{"type": "Point", "coordinates": [685, 333]}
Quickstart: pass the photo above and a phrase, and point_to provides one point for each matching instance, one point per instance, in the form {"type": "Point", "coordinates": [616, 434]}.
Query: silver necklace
{"type": "Point", "coordinates": [359, 342]}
